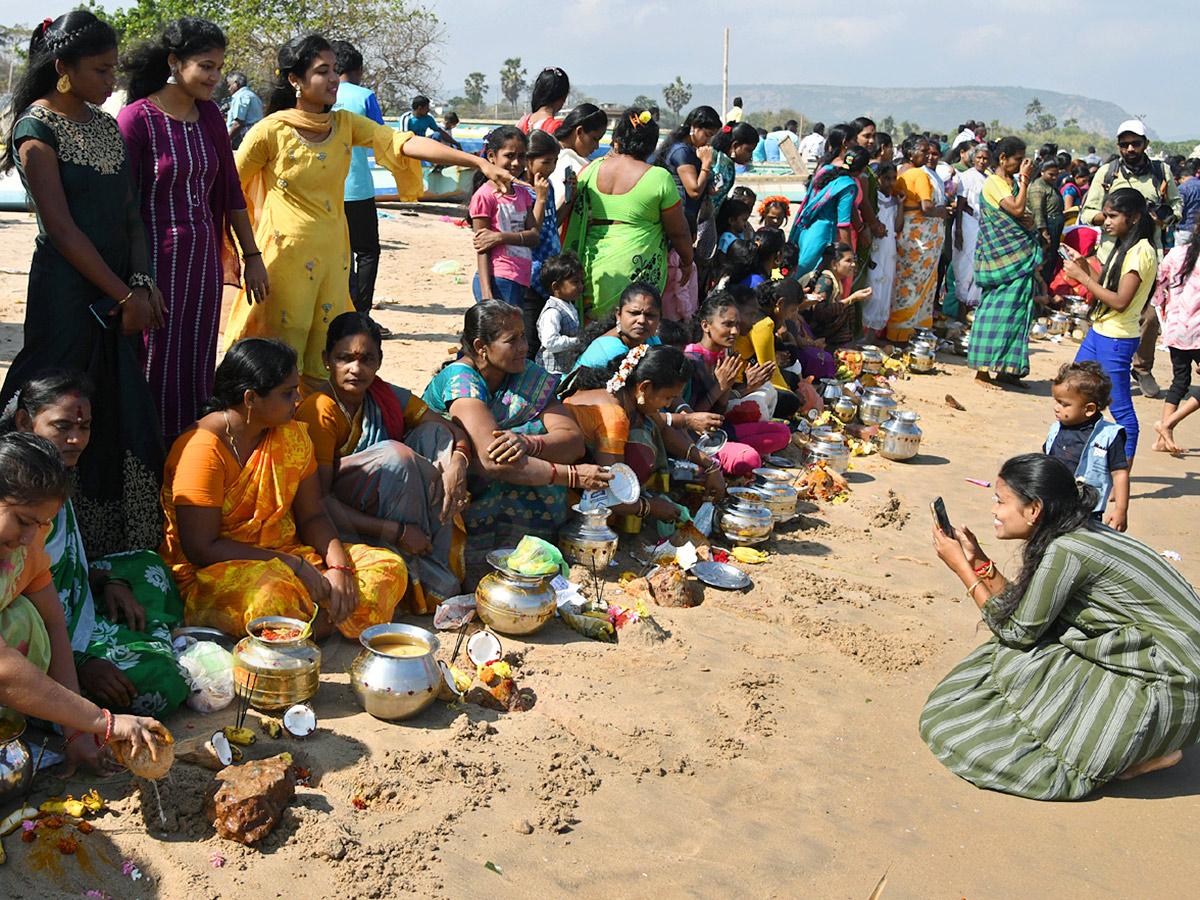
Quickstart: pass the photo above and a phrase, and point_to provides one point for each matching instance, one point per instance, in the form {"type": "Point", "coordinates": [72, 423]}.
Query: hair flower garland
{"type": "Point", "coordinates": [628, 364]}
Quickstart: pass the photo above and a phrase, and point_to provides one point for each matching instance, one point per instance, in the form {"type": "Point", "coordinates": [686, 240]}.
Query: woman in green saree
{"type": "Point", "coordinates": [1007, 257]}
{"type": "Point", "coordinates": [123, 652]}
{"type": "Point", "coordinates": [524, 442]}
{"type": "Point", "coordinates": [626, 213]}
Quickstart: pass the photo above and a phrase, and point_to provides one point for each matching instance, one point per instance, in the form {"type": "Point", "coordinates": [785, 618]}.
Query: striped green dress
{"type": "Point", "coordinates": [1097, 668]}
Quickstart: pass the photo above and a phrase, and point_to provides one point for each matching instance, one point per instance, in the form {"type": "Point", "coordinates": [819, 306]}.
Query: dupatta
{"type": "Point", "coordinates": [1005, 251]}
{"type": "Point", "coordinates": [258, 505]}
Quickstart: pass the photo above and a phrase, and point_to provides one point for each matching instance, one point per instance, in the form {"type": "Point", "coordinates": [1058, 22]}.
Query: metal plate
{"type": "Point", "coordinates": [780, 462]}
{"type": "Point", "coordinates": [711, 442]}
{"type": "Point", "coordinates": [624, 487]}
{"type": "Point", "coordinates": [721, 575]}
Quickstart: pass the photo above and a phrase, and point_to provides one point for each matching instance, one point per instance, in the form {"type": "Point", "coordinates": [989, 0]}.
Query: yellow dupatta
{"type": "Point", "coordinates": [258, 505]}
{"type": "Point", "coordinates": [387, 144]}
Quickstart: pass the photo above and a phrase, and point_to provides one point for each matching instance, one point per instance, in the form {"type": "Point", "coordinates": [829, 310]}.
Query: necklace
{"type": "Point", "coordinates": [232, 442]}
{"type": "Point", "coordinates": [338, 400]}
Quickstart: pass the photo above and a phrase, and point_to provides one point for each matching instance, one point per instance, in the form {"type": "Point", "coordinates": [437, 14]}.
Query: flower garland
{"type": "Point", "coordinates": [628, 364]}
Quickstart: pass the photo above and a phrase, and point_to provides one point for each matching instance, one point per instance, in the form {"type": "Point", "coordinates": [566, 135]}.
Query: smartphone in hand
{"type": "Point", "coordinates": [938, 508]}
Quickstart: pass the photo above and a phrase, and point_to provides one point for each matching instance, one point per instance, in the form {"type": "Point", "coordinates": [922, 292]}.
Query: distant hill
{"type": "Point", "coordinates": [936, 108]}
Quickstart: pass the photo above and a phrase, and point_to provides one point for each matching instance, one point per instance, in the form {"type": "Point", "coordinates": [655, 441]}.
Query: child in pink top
{"type": "Point", "coordinates": [1177, 299]}
{"type": "Point", "coordinates": [507, 226]}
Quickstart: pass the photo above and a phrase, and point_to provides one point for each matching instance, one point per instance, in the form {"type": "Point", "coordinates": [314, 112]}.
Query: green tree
{"type": "Point", "coordinates": [888, 126]}
{"type": "Point", "coordinates": [475, 88]}
{"type": "Point", "coordinates": [1070, 124]}
{"type": "Point", "coordinates": [512, 80]}
{"type": "Point", "coordinates": [397, 38]}
{"type": "Point", "coordinates": [1036, 117]}
{"type": "Point", "coordinates": [677, 95]}
{"type": "Point", "coordinates": [644, 102]}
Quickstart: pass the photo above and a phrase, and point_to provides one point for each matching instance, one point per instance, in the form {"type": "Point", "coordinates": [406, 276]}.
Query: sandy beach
{"type": "Point", "coordinates": [766, 745]}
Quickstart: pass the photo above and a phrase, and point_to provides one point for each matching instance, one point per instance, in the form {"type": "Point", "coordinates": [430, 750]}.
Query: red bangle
{"type": "Point", "coordinates": [73, 737]}
{"type": "Point", "coordinates": [339, 569]}
{"type": "Point", "coordinates": [108, 724]}
{"type": "Point", "coordinates": [553, 472]}
{"type": "Point", "coordinates": [986, 570]}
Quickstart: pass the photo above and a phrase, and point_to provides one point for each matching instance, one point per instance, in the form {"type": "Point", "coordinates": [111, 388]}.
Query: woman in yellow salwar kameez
{"type": "Point", "coordinates": [293, 167]}
{"type": "Point", "coordinates": [247, 534]}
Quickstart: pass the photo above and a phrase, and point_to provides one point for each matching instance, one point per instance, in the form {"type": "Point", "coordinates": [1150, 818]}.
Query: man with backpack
{"type": "Point", "coordinates": [1135, 169]}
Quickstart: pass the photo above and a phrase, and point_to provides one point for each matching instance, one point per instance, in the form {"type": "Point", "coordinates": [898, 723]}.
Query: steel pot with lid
{"type": "Point", "coordinates": [778, 495]}
{"type": "Point", "coordinates": [900, 438]}
{"type": "Point", "coordinates": [872, 360]}
{"type": "Point", "coordinates": [1060, 322]}
{"type": "Point", "coordinates": [744, 517]}
{"type": "Point", "coordinates": [589, 540]}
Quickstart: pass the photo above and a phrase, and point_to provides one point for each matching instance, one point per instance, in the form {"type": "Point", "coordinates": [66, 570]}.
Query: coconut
{"type": "Point", "coordinates": [300, 721]}
{"type": "Point", "coordinates": [483, 648]}
{"type": "Point", "coordinates": [218, 745]}
{"type": "Point", "coordinates": [141, 763]}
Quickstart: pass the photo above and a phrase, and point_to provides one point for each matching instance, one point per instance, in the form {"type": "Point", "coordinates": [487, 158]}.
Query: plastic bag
{"type": "Point", "coordinates": [209, 669]}
{"type": "Point", "coordinates": [452, 612]}
{"type": "Point", "coordinates": [533, 556]}
{"type": "Point", "coordinates": [446, 267]}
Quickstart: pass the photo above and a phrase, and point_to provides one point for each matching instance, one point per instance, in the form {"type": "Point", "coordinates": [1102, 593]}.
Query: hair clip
{"type": "Point", "coordinates": [726, 129]}
{"type": "Point", "coordinates": [277, 73]}
{"type": "Point", "coordinates": [645, 117]}
{"type": "Point", "coordinates": [47, 22]}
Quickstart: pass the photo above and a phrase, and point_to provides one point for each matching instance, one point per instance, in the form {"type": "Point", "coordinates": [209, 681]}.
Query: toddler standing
{"type": "Point", "coordinates": [558, 322]}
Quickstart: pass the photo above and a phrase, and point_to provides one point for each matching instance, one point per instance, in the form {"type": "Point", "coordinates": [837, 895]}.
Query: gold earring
{"type": "Point", "coordinates": [64, 83]}
{"type": "Point", "coordinates": [641, 399]}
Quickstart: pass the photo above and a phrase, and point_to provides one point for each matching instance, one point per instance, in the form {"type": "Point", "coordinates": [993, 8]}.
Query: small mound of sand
{"type": "Point", "coordinates": [890, 513]}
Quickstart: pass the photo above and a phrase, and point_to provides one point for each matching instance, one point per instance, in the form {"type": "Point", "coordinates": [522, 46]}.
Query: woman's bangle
{"type": "Point", "coordinates": [669, 419]}
{"type": "Point", "coordinates": [73, 737]}
{"type": "Point", "coordinates": [986, 571]}
{"type": "Point", "coordinates": [464, 448]}
{"type": "Point", "coordinates": [348, 569]}
{"type": "Point", "coordinates": [553, 473]}
{"type": "Point", "coordinates": [971, 590]}
{"type": "Point", "coordinates": [643, 507]}
{"type": "Point", "coordinates": [688, 453]}
{"type": "Point", "coordinates": [572, 477]}
{"type": "Point", "coordinates": [108, 725]}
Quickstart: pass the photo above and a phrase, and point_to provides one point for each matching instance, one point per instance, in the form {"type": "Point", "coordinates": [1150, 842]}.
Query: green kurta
{"type": "Point", "coordinates": [1097, 669]}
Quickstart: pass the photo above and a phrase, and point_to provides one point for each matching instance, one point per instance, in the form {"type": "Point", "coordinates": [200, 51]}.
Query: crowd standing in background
{"type": "Point", "coordinates": [630, 310]}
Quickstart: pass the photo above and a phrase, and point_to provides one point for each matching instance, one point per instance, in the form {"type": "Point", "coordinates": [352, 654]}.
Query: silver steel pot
{"type": "Point", "coordinates": [779, 497]}
{"type": "Point", "coordinates": [1060, 323]}
{"type": "Point", "coordinates": [588, 540]}
{"type": "Point", "coordinates": [396, 687]}
{"type": "Point", "coordinates": [16, 765]}
{"type": "Point", "coordinates": [830, 448]}
{"type": "Point", "coordinates": [900, 438]}
{"type": "Point", "coordinates": [744, 517]}
{"type": "Point", "coordinates": [922, 357]}
{"type": "Point", "coordinates": [877, 405]}
{"type": "Point", "coordinates": [872, 360]}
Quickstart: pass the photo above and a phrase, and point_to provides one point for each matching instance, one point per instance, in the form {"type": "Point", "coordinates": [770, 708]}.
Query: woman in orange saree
{"type": "Point", "coordinates": [247, 534]}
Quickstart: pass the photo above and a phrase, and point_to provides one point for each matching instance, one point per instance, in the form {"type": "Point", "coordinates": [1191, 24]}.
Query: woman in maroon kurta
{"type": "Point", "coordinates": [191, 202]}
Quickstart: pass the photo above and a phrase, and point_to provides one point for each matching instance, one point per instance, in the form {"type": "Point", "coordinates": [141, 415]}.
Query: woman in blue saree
{"type": "Point", "coordinates": [524, 442]}
{"type": "Point", "coordinates": [828, 211]}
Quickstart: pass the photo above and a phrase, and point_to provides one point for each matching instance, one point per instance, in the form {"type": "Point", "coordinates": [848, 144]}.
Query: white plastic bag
{"type": "Point", "coordinates": [453, 611]}
{"type": "Point", "coordinates": [209, 669]}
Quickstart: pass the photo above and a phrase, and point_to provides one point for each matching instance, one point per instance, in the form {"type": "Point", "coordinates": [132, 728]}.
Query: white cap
{"type": "Point", "coordinates": [1133, 126]}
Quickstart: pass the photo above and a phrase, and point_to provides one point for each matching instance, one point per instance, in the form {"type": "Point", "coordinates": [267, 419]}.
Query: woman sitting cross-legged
{"type": "Point", "coordinates": [1093, 669]}
{"type": "Point", "coordinates": [524, 442]}
{"type": "Point", "coordinates": [618, 411]}
{"type": "Point", "coordinates": [122, 649]}
{"type": "Point", "coordinates": [393, 472]}
{"type": "Point", "coordinates": [247, 534]}
{"type": "Point", "coordinates": [715, 387]}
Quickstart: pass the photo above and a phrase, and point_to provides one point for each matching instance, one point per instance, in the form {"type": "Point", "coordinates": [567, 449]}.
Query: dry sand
{"type": "Point", "coordinates": [767, 747]}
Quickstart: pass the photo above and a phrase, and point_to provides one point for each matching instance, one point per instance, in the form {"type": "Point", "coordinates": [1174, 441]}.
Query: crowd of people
{"type": "Point", "coordinates": [626, 311]}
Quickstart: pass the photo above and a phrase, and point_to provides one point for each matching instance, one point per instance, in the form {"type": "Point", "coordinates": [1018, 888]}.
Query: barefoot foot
{"type": "Point", "coordinates": [1166, 439]}
{"type": "Point", "coordinates": [1151, 765]}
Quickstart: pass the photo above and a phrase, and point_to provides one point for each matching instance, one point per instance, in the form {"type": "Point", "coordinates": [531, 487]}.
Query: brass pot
{"type": "Point", "coordinates": [511, 603]}
{"type": "Point", "coordinates": [278, 674]}
{"type": "Point", "coordinates": [845, 408]}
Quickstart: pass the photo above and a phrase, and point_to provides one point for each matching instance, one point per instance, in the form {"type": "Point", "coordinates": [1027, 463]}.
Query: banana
{"type": "Point", "coordinates": [242, 736]}
{"type": "Point", "coordinates": [270, 727]}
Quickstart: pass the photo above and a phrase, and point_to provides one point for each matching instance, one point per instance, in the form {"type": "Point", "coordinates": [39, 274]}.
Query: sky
{"type": "Point", "coordinates": [1143, 62]}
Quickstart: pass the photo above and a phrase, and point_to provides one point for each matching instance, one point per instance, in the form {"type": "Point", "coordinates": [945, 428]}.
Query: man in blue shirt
{"type": "Point", "coordinates": [420, 122]}
{"type": "Point", "coordinates": [360, 186]}
{"type": "Point", "coordinates": [1189, 192]}
{"type": "Point", "coordinates": [244, 107]}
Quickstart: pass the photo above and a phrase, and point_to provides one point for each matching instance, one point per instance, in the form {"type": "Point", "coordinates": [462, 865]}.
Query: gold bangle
{"type": "Point", "coordinates": [125, 299]}
{"type": "Point", "coordinates": [971, 589]}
